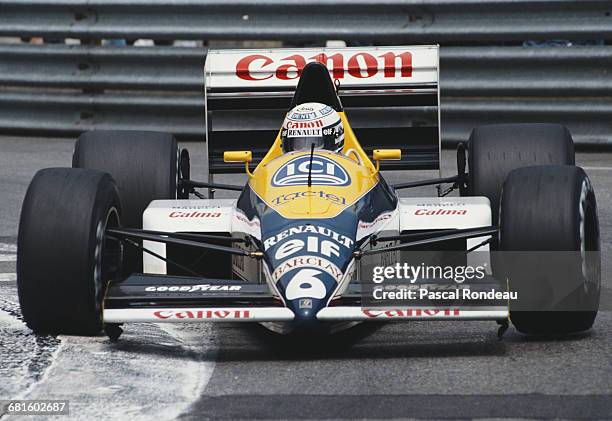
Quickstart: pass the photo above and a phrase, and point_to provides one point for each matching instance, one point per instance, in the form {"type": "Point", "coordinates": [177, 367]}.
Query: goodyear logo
{"type": "Point", "coordinates": [324, 172]}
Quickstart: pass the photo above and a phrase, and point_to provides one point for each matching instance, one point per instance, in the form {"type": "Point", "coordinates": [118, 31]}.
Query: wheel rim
{"type": "Point", "coordinates": [589, 246]}
{"type": "Point", "coordinates": [108, 255]}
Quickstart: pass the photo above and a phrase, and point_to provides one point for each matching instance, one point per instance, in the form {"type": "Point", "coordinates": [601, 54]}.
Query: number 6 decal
{"type": "Point", "coordinates": [305, 284]}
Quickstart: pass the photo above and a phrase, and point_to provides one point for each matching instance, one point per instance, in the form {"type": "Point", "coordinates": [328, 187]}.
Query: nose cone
{"type": "Point", "coordinates": [307, 290]}
{"type": "Point", "coordinates": [307, 263]}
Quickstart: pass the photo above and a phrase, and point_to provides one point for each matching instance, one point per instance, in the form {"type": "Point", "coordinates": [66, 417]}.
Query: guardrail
{"type": "Point", "coordinates": [397, 21]}
{"type": "Point", "coordinates": [58, 89]}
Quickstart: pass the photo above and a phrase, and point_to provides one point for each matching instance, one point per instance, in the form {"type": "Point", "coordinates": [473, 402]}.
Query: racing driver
{"type": "Point", "coordinates": [312, 123]}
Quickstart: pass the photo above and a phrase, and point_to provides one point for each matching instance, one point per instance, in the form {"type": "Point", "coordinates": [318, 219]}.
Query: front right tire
{"type": "Point", "coordinates": [549, 249]}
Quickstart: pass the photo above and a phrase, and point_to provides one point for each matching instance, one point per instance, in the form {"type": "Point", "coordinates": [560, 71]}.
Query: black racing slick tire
{"type": "Point", "coordinates": [549, 245]}
{"type": "Point", "coordinates": [64, 260]}
{"type": "Point", "coordinates": [143, 164]}
{"type": "Point", "coordinates": [495, 150]}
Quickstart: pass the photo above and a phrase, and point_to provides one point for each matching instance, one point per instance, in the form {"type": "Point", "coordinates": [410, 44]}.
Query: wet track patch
{"type": "Point", "coordinates": [154, 371]}
{"type": "Point", "coordinates": [151, 373]}
{"type": "Point", "coordinates": [24, 356]}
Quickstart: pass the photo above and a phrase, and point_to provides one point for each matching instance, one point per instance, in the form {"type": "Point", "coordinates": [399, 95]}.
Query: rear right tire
{"type": "Point", "coordinates": [495, 150]}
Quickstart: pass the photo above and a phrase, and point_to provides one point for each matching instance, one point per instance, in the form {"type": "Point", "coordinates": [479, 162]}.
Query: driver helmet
{"type": "Point", "coordinates": [312, 123]}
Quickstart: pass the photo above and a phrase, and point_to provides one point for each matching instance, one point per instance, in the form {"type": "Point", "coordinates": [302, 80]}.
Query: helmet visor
{"type": "Point", "coordinates": [304, 143]}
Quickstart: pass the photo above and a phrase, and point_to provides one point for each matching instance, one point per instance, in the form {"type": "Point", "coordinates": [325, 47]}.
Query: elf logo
{"type": "Point", "coordinates": [324, 172]}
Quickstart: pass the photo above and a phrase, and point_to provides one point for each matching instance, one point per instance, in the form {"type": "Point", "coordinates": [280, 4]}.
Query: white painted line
{"type": "Point", "coordinates": [8, 277]}
{"type": "Point", "coordinates": [8, 248]}
{"type": "Point", "coordinates": [8, 257]}
{"type": "Point", "coordinates": [7, 321]}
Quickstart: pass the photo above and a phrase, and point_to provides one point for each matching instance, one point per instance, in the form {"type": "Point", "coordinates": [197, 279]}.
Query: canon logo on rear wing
{"type": "Point", "coordinates": [395, 67]}
{"type": "Point", "coordinates": [360, 65]}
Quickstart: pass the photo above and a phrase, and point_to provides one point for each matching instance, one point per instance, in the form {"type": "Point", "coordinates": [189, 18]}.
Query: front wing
{"type": "Point", "coordinates": [172, 299]}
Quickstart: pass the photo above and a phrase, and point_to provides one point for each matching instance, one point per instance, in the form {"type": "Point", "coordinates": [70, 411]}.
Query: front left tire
{"type": "Point", "coordinates": [64, 259]}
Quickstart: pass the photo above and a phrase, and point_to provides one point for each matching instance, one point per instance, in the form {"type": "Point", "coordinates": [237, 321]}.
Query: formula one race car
{"type": "Point", "coordinates": [317, 239]}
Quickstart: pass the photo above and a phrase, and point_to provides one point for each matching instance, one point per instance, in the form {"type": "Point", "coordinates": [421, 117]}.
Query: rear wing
{"type": "Point", "coordinates": [390, 95]}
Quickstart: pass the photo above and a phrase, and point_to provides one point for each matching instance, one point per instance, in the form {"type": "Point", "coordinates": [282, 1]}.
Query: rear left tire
{"type": "Point", "coordinates": [143, 164]}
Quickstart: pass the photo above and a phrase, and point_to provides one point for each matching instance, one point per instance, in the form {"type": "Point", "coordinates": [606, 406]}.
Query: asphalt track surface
{"type": "Point", "coordinates": [432, 370]}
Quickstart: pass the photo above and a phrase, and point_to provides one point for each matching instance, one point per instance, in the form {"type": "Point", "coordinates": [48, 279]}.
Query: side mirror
{"type": "Point", "coordinates": [239, 156]}
{"type": "Point", "coordinates": [386, 155]}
